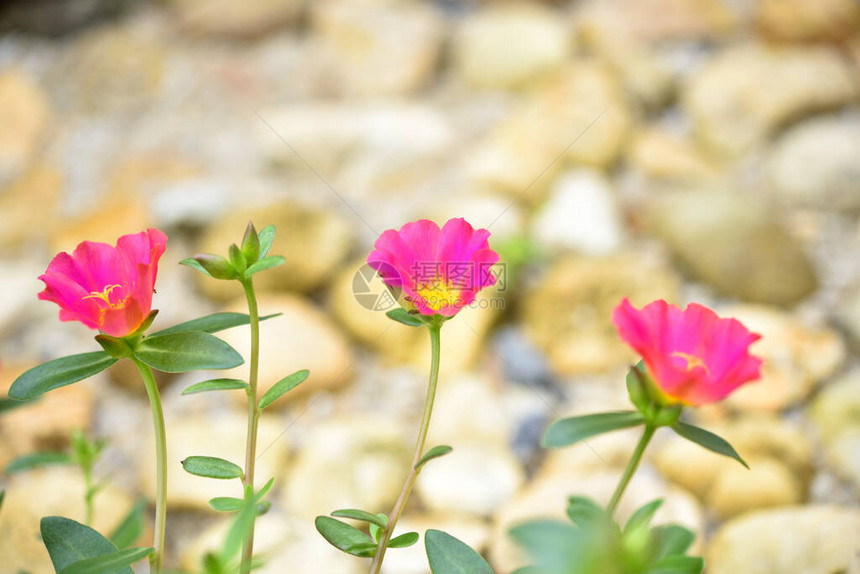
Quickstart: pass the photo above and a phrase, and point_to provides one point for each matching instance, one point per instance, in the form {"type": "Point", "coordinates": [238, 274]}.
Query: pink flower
{"type": "Point", "coordinates": [694, 356]}
{"type": "Point", "coordinates": [439, 271]}
{"type": "Point", "coordinates": [104, 287]}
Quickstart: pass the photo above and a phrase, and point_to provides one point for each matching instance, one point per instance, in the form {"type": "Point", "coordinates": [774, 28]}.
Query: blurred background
{"type": "Point", "coordinates": [692, 150]}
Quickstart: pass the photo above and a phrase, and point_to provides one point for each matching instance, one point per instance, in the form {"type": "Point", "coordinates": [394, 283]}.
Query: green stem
{"type": "Point", "coordinates": [385, 536]}
{"type": "Point", "coordinates": [156, 559]}
{"type": "Point", "coordinates": [253, 414]}
{"type": "Point", "coordinates": [631, 468]}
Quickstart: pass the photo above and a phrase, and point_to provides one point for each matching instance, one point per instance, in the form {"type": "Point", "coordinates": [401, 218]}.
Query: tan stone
{"type": "Point", "coordinates": [795, 20]}
{"type": "Point", "coordinates": [301, 338]}
{"type": "Point", "coordinates": [236, 18]}
{"type": "Point", "coordinates": [28, 206]}
{"type": "Point", "coordinates": [106, 223]}
{"type": "Point", "coordinates": [24, 115]}
{"type": "Point", "coordinates": [765, 484]}
{"type": "Point", "coordinates": [743, 94]}
{"type": "Point", "coordinates": [55, 491]}
{"type": "Point", "coordinates": [661, 155]}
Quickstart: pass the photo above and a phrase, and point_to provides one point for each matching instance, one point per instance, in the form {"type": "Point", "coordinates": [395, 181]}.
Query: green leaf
{"type": "Point", "coordinates": [263, 491]}
{"type": "Point", "coordinates": [187, 351]}
{"type": "Point", "coordinates": [214, 266]}
{"type": "Point", "coordinates": [212, 467]}
{"type": "Point", "coordinates": [131, 527]}
{"type": "Point", "coordinates": [583, 511]}
{"type": "Point", "coordinates": [362, 550]}
{"type": "Point", "coordinates": [376, 531]}
{"type": "Point", "coordinates": [2, 496]}
{"type": "Point", "coordinates": [708, 440]}
{"type": "Point", "coordinates": [356, 514]}
{"type": "Point", "coordinates": [558, 546]}
{"type": "Point", "coordinates": [447, 555]}
{"type": "Point", "coordinates": [677, 565]}
{"type": "Point", "coordinates": [434, 452]}
{"type": "Point", "coordinates": [263, 507]}
{"type": "Point", "coordinates": [108, 562]}
{"type": "Point", "coordinates": [9, 404]}
{"type": "Point", "coordinates": [565, 432]}
{"type": "Point", "coordinates": [212, 323]}
{"type": "Point", "coordinates": [226, 504]}
{"type": "Point", "coordinates": [68, 542]}
{"type": "Point", "coordinates": [237, 259]}
{"type": "Point", "coordinates": [402, 316]}
{"type": "Point", "coordinates": [670, 539]}
{"type": "Point", "coordinates": [36, 460]}
{"type": "Point", "coordinates": [404, 540]}
{"type": "Point", "coordinates": [267, 237]}
{"type": "Point", "coordinates": [642, 516]}
{"type": "Point", "coordinates": [59, 373]}
{"type": "Point", "coordinates": [341, 535]}
{"type": "Point", "coordinates": [285, 385]}
{"type": "Point", "coordinates": [215, 385]}
{"type": "Point", "coordinates": [264, 263]}
{"type": "Point", "coordinates": [241, 525]}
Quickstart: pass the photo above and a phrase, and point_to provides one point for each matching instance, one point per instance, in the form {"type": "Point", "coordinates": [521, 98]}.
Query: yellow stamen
{"type": "Point", "coordinates": [437, 294]}
{"type": "Point", "coordinates": [692, 361]}
{"type": "Point", "coordinates": [105, 296]}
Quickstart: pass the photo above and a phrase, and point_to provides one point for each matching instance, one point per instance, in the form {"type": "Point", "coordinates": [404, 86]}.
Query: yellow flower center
{"type": "Point", "coordinates": [692, 361]}
{"type": "Point", "coordinates": [104, 296]}
{"type": "Point", "coordinates": [438, 293]}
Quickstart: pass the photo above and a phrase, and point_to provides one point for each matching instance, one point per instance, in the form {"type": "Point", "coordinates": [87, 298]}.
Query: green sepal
{"type": "Point", "coordinates": [215, 385]}
{"type": "Point", "coordinates": [267, 237]}
{"type": "Point", "coordinates": [403, 316]}
{"type": "Point", "coordinates": [677, 565]}
{"type": "Point", "coordinates": [667, 416]}
{"type": "Point", "coordinates": [131, 527]}
{"type": "Point", "coordinates": [237, 259]}
{"type": "Point", "coordinates": [116, 347]}
{"type": "Point", "coordinates": [356, 514]}
{"type": "Point", "coordinates": [264, 264]}
{"type": "Point", "coordinates": [212, 467]}
{"type": "Point", "coordinates": [59, 373]}
{"type": "Point", "coordinates": [107, 562]}
{"type": "Point", "coordinates": [404, 540]}
{"type": "Point", "coordinates": [37, 460]}
{"type": "Point", "coordinates": [251, 244]}
{"type": "Point", "coordinates": [670, 539]}
{"type": "Point", "coordinates": [708, 440]}
{"type": "Point", "coordinates": [69, 542]}
{"type": "Point", "coordinates": [343, 536]}
{"type": "Point", "coordinates": [637, 388]}
{"type": "Point", "coordinates": [374, 530]}
{"type": "Point", "coordinates": [434, 452]}
{"type": "Point", "coordinates": [643, 515]}
{"type": "Point", "coordinates": [448, 555]}
{"type": "Point", "coordinates": [212, 323]}
{"type": "Point", "coordinates": [283, 386]}
{"type": "Point", "coordinates": [212, 265]}
{"type": "Point", "coordinates": [565, 432]}
{"type": "Point", "coordinates": [187, 351]}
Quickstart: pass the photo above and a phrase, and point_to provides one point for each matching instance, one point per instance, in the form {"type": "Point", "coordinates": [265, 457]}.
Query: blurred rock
{"type": "Point", "coordinates": [126, 375]}
{"type": "Point", "coordinates": [57, 17]}
{"type": "Point", "coordinates": [301, 338]}
{"type": "Point", "coordinates": [808, 540]}
{"type": "Point", "coordinates": [47, 423]}
{"type": "Point", "coordinates": [19, 222]}
{"type": "Point", "coordinates": [505, 221]}
{"type": "Point", "coordinates": [413, 560]}
{"type": "Point", "coordinates": [357, 462]}
{"type": "Point", "coordinates": [581, 112]}
{"type": "Point", "coordinates": [329, 133]}
{"type": "Point", "coordinates": [848, 315]}
{"type": "Point", "coordinates": [506, 45]}
{"type": "Point", "coordinates": [54, 491]}
{"type": "Point", "coordinates": [24, 114]}
{"type": "Point", "coordinates": [733, 243]}
{"type": "Point", "coordinates": [743, 94]}
{"type": "Point", "coordinates": [289, 544]}
{"type": "Point", "coordinates": [108, 70]}
{"type": "Point", "coordinates": [798, 357]}
{"type": "Point", "coordinates": [223, 437]}
{"type": "Point", "coordinates": [475, 479]}
{"type": "Point", "coordinates": [386, 48]}
{"type": "Point", "coordinates": [781, 450]}
{"type": "Point", "coordinates": [657, 20]}
{"type": "Point", "coordinates": [644, 73]}
{"type": "Point", "coordinates": [235, 18]}
{"type": "Point", "coordinates": [359, 300]}
{"type": "Point", "coordinates": [580, 214]}
{"type": "Point", "coordinates": [661, 155]}
{"type": "Point", "coordinates": [313, 241]}
{"type": "Point", "coordinates": [105, 223]}
{"type": "Point", "coordinates": [20, 288]}
{"type": "Point", "coordinates": [836, 414]}
{"type": "Point", "coordinates": [817, 163]}
{"type": "Point", "coordinates": [567, 314]}
{"type": "Point", "coordinates": [797, 20]}
{"type": "Point", "coordinates": [471, 408]}
{"type": "Point", "coordinates": [547, 495]}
